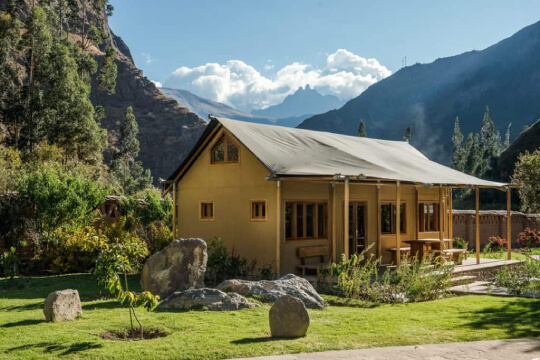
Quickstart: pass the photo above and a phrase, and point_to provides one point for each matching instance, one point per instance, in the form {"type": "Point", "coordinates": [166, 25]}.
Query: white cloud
{"type": "Point", "coordinates": [240, 85]}
{"type": "Point", "coordinates": [268, 67]}
{"type": "Point", "coordinates": [148, 58]}
{"type": "Point", "coordinates": [157, 83]}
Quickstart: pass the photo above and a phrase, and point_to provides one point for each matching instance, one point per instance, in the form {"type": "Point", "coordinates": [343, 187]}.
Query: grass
{"type": "Point", "coordinates": [219, 335]}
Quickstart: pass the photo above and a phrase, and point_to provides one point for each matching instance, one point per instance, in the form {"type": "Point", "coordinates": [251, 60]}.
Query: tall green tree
{"type": "Point", "coordinates": [362, 129]}
{"type": "Point", "coordinates": [473, 149]}
{"type": "Point", "coordinates": [507, 137]}
{"type": "Point", "coordinates": [125, 166]}
{"type": "Point", "coordinates": [408, 134]}
{"type": "Point", "coordinates": [527, 175]}
{"type": "Point", "coordinates": [108, 72]}
{"type": "Point", "coordinates": [459, 156]}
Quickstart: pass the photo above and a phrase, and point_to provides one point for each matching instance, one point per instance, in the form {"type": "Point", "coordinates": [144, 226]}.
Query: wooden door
{"type": "Point", "coordinates": [357, 227]}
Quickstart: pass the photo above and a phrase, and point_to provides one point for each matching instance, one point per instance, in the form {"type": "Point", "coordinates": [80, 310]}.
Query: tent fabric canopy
{"type": "Point", "coordinates": [298, 152]}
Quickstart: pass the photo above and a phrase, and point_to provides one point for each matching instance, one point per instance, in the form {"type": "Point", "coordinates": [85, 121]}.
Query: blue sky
{"type": "Point", "coordinates": [266, 36]}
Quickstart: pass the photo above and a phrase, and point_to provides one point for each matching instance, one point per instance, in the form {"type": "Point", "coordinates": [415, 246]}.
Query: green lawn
{"type": "Point", "coordinates": [503, 255]}
{"type": "Point", "coordinates": [213, 335]}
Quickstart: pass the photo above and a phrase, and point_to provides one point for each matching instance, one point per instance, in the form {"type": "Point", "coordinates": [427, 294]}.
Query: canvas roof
{"type": "Point", "coordinates": [298, 152]}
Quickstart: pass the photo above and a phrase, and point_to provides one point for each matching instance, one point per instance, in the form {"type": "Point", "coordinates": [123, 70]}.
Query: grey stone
{"type": "Point", "coordinates": [180, 266]}
{"type": "Point", "coordinates": [271, 290]}
{"type": "Point", "coordinates": [208, 299]}
{"type": "Point", "coordinates": [62, 305]}
{"type": "Point", "coordinates": [288, 317]}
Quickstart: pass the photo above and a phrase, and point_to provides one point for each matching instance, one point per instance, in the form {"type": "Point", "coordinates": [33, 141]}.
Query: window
{"type": "Point", "coordinates": [258, 210]}
{"type": "Point", "coordinates": [207, 210]}
{"type": "Point", "coordinates": [306, 220]}
{"type": "Point", "coordinates": [388, 218]}
{"type": "Point", "coordinates": [225, 151]}
{"type": "Point", "coordinates": [428, 217]}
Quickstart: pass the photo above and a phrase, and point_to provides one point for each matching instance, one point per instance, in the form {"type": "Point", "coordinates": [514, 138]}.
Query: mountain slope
{"type": "Point", "coordinates": [203, 107]}
{"type": "Point", "coordinates": [427, 97]}
{"type": "Point", "coordinates": [167, 131]}
{"type": "Point", "coordinates": [303, 101]}
{"type": "Point", "coordinates": [528, 140]}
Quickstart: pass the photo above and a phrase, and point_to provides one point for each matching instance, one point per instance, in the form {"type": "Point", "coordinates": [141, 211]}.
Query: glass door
{"type": "Point", "coordinates": [357, 227]}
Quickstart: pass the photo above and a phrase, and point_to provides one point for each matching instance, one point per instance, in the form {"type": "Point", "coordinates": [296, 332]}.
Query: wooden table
{"type": "Point", "coordinates": [423, 247]}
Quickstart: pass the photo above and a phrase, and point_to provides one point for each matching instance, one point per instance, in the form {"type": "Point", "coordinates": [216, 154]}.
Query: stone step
{"type": "Point", "coordinates": [463, 280]}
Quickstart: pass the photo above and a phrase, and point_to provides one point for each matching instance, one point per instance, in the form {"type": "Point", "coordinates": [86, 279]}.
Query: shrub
{"type": "Point", "coordinates": [9, 263]}
{"type": "Point", "coordinates": [113, 265]}
{"type": "Point", "coordinates": [460, 243]}
{"type": "Point", "coordinates": [496, 243]}
{"type": "Point", "coordinates": [358, 279]}
{"type": "Point", "coordinates": [224, 265]}
{"type": "Point", "coordinates": [155, 209]}
{"type": "Point", "coordinates": [521, 278]}
{"type": "Point", "coordinates": [157, 236]}
{"type": "Point", "coordinates": [528, 238]}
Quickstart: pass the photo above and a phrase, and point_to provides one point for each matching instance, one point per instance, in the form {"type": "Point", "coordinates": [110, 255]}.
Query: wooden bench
{"type": "Point", "coordinates": [456, 255]}
{"type": "Point", "coordinates": [310, 252]}
{"type": "Point", "coordinates": [402, 250]}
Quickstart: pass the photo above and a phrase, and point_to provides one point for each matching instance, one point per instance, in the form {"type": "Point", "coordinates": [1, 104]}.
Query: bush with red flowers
{"type": "Point", "coordinates": [497, 243]}
{"type": "Point", "coordinates": [529, 238]}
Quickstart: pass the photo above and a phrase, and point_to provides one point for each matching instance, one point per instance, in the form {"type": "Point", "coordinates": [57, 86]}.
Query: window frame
{"type": "Point", "coordinates": [392, 221]}
{"type": "Point", "coordinates": [251, 210]}
{"type": "Point", "coordinates": [225, 138]}
{"type": "Point", "coordinates": [315, 222]}
{"type": "Point", "coordinates": [208, 218]}
{"type": "Point", "coordinates": [422, 216]}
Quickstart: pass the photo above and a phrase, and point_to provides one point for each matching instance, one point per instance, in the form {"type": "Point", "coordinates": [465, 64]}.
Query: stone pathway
{"type": "Point", "coordinates": [484, 288]}
{"type": "Point", "coordinates": [516, 349]}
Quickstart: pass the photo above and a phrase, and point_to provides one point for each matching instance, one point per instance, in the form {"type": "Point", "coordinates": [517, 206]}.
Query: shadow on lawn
{"type": "Point", "coordinates": [22, 323]}
{"type": "Point", "coordinates": [518, 318]}
{"type": "Point", "coordinates": [51, 347]}
{"type": "Point", "coordinates": [32, 306]}
{"type": "Point", "coordinates": [258, 340]}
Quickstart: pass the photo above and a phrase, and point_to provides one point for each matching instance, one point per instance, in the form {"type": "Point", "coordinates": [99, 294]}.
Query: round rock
{"type": "Point", "coordinates": [288, 317]}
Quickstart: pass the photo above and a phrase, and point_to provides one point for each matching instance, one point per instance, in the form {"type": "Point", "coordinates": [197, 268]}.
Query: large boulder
{"type": "Point", "coordinates": [271, 290]}
{"type": "Point", "coordinates": [62, 305]}
{"type": "Point", "coordinates": [288, 317]}
{"type": "Point", "coordinates": [180, 266]}
{"type": "Point", "coordinates": [205, 299]}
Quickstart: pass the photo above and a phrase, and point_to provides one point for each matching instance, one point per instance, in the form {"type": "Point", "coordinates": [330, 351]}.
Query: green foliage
{"type": "Point", "coordinates": [362, 129]}
{"type": "Point", "coordinates": [527, 176]}
{"type": "Point", "coordinates": [152, 208]}
{"type": "Point", "coordinates": [157, 236]}
{"type": "Point", "coordinates": [129, 171]}
{"type": "Point", "coordinates": [114, 263]}
{"type": "Point", "coordinates": [459, 156]}
{"type": "Point", "coordinates": [9, 263]}
{"type": "Point", "coordinates": [223, 264]}
{"type": "Point", "coordinates": [521, 278]}
{"type": "Point", "coordinates": [75, 251]}
{"type": "Point", "coordinates": [108, 73]}
{"type": "Point", "coordinates": [408, 134]}
{"type": "Point", "coordinates": [358, 278]}
{"type": "Point", "coordinates": [460, 243]}
{"type": "Point", "coordinates": [58, 198]}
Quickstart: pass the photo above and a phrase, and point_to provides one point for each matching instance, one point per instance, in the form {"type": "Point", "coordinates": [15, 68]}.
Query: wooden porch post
{"type": "Point", "coordinates": [441, 217]}
{"type": "Point", "coordinates": [346, 219]}
{"type": "Point", "coordinates": [509, 223]}
{"type": "Point", "coordinates": [278, 227]}
{"type": "Point", "coordinates": [334, 230]}
{"type": "Point", "coordinates": [379, 243]}
{"type": "Point", "coordinates": [398, 223]}
{"type": "Point", "coordinates": [417, 212]}
{"type": "Point", "coordinates": [450, 216]}
{"type": "Point", "coordinates": [477, 224]}
{"type": "Point", "coordinates": [174, 210]}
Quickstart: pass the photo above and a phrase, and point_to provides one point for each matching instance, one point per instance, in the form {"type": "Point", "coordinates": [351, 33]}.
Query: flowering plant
{"type": "Point", "coordinates": [529, 238]}
{"type": "Point", "coordinates": [497, 243]}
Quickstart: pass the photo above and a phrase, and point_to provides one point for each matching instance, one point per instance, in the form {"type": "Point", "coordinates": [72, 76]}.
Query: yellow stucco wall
{"type": "Point", "coordinates": [233, 186]}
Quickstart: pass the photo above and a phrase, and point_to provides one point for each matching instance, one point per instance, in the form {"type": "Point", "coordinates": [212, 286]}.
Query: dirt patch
{"type": "Point", "coordinates": [125, 334]}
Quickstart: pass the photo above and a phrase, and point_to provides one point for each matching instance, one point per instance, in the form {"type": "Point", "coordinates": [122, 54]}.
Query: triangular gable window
{"type": "Point", "coordinates": [225, 151]}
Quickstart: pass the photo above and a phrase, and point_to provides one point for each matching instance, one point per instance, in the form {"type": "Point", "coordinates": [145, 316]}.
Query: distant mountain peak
{"type": "Point", "coordinates": [304, 100]}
